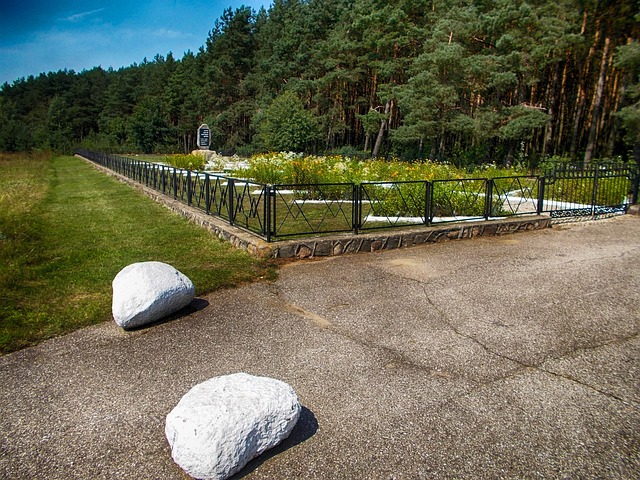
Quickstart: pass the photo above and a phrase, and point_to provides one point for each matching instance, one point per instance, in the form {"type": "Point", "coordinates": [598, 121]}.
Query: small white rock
{"type": "Point", "coordinates": [148, 291]}
{"type": "Point", "coordinates": [222, 424]}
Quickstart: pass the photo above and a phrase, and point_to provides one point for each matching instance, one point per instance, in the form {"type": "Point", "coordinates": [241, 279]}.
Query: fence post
{"type": "Point", "coordinates": [356, 206]}
{"type": "Point", "coordinates": [175, 184]}
{"type": "Point", "coordinates": [488, 199]}
{"type": "Point", "coordinates": [207, 193]}
{"type": "Point", "coordinates": [541, 184]}
{"type": "Point", "coordinates": [267, 212]}
{"type": "Point", "coordinates": [230, 206]}
{"type": "Point", "coordinates": [428, 194]}
{"type": "Point", "coordinates": [274, 193]}
{"type": "Point", "coordinates": [636, 186]}
{"type": "Point", "coordinates": [594, 193]}
{"type": "Point", "coordinates": [189, 192]}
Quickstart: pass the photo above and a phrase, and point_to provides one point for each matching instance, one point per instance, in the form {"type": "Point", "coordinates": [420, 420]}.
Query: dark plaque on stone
{"type": "Point", "coordinates": [204, 136]}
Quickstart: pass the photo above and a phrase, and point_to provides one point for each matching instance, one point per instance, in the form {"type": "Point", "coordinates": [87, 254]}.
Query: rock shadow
{"type": "Point", "coordinates": [196, 305]}
{"type": "Point", "coordinates": [306, 428]}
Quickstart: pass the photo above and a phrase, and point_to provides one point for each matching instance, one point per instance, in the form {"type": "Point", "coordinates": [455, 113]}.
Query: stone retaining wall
{"type": "Point", "coordinates": [323, 246]}
{"type": "Point", "coordinates": [392, 239]}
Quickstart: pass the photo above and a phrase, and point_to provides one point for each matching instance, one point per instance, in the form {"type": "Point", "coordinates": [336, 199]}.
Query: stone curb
{"type": "Point", "coordinates": [333, 245]}
{"type": "Point", "coordinates": [371, 242]}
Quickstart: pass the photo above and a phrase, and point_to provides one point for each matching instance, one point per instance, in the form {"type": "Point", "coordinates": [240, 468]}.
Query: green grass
{"type": "Point", "coordinates": [66, 230]}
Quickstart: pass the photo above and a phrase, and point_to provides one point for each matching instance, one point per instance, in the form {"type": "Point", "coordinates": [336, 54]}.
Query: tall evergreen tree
{"type": "Point", "coordinates": [465, 80]}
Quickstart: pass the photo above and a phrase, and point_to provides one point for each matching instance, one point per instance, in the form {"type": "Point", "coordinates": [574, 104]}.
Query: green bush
{"type": "Point", "coordinates": [287, 125]}
{"type": "Point", "coordinates": [186, 162]}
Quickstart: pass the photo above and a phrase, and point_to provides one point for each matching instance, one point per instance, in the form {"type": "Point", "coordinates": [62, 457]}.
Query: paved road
{"type": "Point", "coordinates": [504, 357]}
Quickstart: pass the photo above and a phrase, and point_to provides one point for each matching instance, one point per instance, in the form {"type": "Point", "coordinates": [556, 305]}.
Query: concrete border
{"type": "Point", "coordinates": [331, 245]}
{"type": "Point", "coordinates": [409, 237]}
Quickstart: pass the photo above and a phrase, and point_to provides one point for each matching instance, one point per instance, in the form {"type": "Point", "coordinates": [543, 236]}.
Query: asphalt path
{"type": "Point", "coordinates": [495, 357]}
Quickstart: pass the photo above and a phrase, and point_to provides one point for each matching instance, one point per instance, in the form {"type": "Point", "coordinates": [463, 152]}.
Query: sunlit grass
{"type": "Point", "coordinates": [66, 230]}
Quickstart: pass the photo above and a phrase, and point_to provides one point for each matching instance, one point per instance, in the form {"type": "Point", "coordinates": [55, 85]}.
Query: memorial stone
{"type": "Point", "coordinates": [204, 137]}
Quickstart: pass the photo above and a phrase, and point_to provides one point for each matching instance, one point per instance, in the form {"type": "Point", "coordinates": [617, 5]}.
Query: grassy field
{"type": "Point", "coordinates": [66, 230]}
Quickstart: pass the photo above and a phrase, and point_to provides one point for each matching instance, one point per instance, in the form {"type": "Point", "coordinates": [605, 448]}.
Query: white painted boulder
{"type": "Point", "coordinates": [222, 424]}
{"type": "Point", "coordinates": [148, 291]}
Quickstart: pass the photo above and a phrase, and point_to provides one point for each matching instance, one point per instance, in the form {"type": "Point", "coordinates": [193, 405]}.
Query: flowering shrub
{"type": "Point", "coordinates": [215, 162]}
{"type": "Point", "coordinates": [293, 168]}
{"type": "Point", "coordinates": [403, 195]}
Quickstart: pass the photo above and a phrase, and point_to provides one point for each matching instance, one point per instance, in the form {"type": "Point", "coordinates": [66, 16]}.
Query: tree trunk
{"type": "Point", "coordinates": [582, 95]}
{"type": "Point", "coordinates": [443, 144]}
{"type": "Point", "coordinates": [612, 106]}
{"type": "Point", "coordinates": [383, 124]}
{"type": "Point", "coordinates": [597, 103]}
{"type": "Point", "coordinates": [510, 154]}
{"type": "Point", "coordinates": [563, 109]}
{"type": "Point", "coordinates": [548, 136]}
{"type": "Point", "coordinates": [575, 130]}
{"type": "Point", "coordinates": [624, 83]}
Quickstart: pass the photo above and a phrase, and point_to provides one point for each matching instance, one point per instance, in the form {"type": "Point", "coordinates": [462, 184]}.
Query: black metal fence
{"type": "Point", "coordinates": [281, 211]}
{"type": "Point", "coordinates": [592, 191]}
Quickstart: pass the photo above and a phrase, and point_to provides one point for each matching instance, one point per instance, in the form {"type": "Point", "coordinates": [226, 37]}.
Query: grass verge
{"type": "Point", "coordinates": [66, 230]}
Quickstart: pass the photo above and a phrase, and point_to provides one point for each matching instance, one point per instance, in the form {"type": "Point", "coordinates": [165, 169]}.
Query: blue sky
{"type": "Point", "coordinates": [49, 35]}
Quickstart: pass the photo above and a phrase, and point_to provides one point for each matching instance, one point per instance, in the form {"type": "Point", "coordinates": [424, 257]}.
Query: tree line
{"type": "Point", "coordinates": [467, 81]}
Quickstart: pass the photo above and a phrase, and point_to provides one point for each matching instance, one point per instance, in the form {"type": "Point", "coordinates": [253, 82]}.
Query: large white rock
{"type": "Point", "coordinates": [222, 424]}
{"type": "Point", "coordinates": [148, 291]}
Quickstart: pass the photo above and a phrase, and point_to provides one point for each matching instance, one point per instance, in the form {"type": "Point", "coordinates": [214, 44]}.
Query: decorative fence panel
{"type": "Point", "coordinates": [282, 211]}
{"type": "Point", "coordinates": [303, 209]}
{"type": "Point", "coordinates": [461, 199]}
{"type": "Point", "coordinates": [572, 192]}
{"type": "Point", "coordinates": [393, 204]}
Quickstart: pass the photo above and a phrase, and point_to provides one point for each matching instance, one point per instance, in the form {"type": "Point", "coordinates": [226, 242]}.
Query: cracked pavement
{"type": "Point", "coordinates": [497, 357]}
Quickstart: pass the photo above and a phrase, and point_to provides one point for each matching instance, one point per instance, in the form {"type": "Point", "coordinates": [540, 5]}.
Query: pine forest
{"type": "Point", "coordinates": [464, 81]}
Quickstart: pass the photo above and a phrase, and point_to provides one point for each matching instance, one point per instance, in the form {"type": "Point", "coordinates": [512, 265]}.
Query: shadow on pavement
{"type": "Point", "coordinates": [196, 305]}
{"type": "Point", "coordinates": [306, 428]}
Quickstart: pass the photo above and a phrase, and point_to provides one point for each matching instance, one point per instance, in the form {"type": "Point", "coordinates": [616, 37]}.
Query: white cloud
{"type": "Point", "coordinates": [78, 17]}
{"type": "Point", "coordinates": [168, 33]}
{"type": "Point", "coordinates": [89, 46]}
{"type": "Point", "coordinates": [118, 35]}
